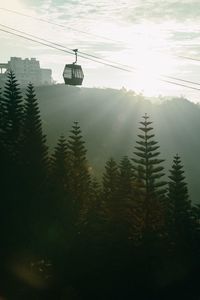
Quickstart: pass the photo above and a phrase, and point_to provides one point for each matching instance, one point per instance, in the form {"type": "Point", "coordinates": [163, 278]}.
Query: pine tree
{"type": "Point", "coordinates": [124, 204]}
{"type": "Point", "coordinates": [110, 181]}
{"type": "Point", "coordinates": [1, 115]}
{"type": "Point", "coordinates": [11, 125]}
{"type": "Point", "coordinates": [130, 201]}
{"type": "Point", "coordinates": [59, 164]}
{"type": "Point", "coordinates": [34, 149]}
{"type": "Point", "coordinates": [79, 177]}
{"type": "Point", "coordinates": [148, 167]}
{"type": "Point", "coordinates": [13, 109]}
{"type": "Point", "coordinates": [96, 214]}
{"type": "Point", "coordinates": [61, 200]}
{"type": "Point", "coordinates": [34, 171]}
{"type": "Point", "coordinates": [109, 198]}
{"type": "Point", "coordinates": [179, 202]}
{"type": "Point", "coordinates": [126, 179]}
{"type": "Point", "coordinates": [60, 207]}
{"type": "Point", "coordinates": [11, 119]}
{"type": "Point", "coordinates": [2, 130]}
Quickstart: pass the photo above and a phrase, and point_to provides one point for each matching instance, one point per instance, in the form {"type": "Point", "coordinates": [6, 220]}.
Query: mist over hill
{"type": "Point", "coordinates": [109, 122]}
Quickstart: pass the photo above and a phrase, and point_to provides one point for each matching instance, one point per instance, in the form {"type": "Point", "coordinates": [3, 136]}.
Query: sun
{"type": "Point", "coordinates": [149, 70]}
{"type": "Point", "coordinates": [146, 53]}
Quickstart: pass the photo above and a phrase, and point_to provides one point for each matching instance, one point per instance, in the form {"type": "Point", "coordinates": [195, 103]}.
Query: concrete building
{"type": "Point", "coordinates": [26, 71]}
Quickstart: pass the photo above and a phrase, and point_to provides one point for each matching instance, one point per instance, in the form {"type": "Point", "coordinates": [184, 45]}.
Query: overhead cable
{"type": "Point", "coordinates": [83, 54]}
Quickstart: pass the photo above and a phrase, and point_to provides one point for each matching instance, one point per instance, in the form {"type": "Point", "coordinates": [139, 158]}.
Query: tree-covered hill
{"type": "Point", "coordinates": [65, 235]}
{"type": "Point", "coordinates": [109, 121]}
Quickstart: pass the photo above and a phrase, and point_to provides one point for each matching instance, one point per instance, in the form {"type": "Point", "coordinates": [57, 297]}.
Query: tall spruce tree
{"type": "Point", "coordinates": [110, 181]}
{"type": "Point", "coordinates": [13, 110]}
{"type": "Point", "coordinates": [126, 178]}
{"type": "Point", "coordinates": [110, 197]}
{"type": "Point", "coordinates": [179, 202]}
{"type": "Point", "coordinates": [130, 201]}
{"type": "Point", "coordinates": [61, 200]}
{"type": "Point", "coordinates": [11, 126]}
{"type": "Point", "coordinates": [60, 205]}
{"type": "Point", "coordinates": [1, 113]}
{"type": "Point", "coordinates": [34, 148]}
{"type": "Point", "coordinates": [95, 220]}
{"type": "Point", "coordinates": [124, 204]}
{"type": "Point", "coordinates": [150, 171]}
{"type": "Point", "coordinates": [2, 129]}
{"type": "Point", "coordinates": [79, 177]}
{"type": "Point", "coordinates": [34, 170]}
{"type": "Point", "coordinates": [59, 164]}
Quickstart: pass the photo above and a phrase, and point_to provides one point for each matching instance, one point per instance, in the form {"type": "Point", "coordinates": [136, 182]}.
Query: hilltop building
{"type": "Point", "coordinates": [26, 71]}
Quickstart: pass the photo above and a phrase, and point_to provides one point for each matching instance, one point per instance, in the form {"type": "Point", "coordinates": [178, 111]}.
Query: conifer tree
{"type": "Point", "coordinates": [34, 171]}
{"type": "Point", "coordinates": [1, 114]}
{"type": "Point", "coordinates": [110, 181]}
{"type": "Point", "coordinates": [13, 110]}
{"type": "Point", "coordinates": [148, 167]}
{"type": "Point", "coordinates": [124, 204]}
{"type": "Point", "coordinates": [59, 184]}
{"type": "Point", "coordinates": [2, 129]}
{"type": "Point", "coordinates": [34, 149]}
{"type": "Point", "coordinates": [95, 190]}
{"type": "Point", "coordinates": [60, 205]}
{"type": "Point", "coordinates": [179, 202]}
{"type": "Point", "coordinates": [110, 197]}
{"type": "Point", "coordinates": [11, 125]}
{"type": "Point", "coordinates": [96, 213]}
{"type": "Point", "coordinates": [79, 177]}
{"type": "Point", "coordinates": [126, 178]}
{"type": "Point", "coordinates": [129, 201]}
{"type": "Point", "coordinates": [59, 168]}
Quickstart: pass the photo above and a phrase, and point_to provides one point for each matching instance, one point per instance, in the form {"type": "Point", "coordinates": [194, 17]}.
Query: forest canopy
{"type": "Point", "coordinates": [130, 230]}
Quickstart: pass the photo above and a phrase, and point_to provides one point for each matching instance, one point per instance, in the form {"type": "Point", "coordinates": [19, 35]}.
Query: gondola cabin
{"type": "Point", "coordinates": [73, 74]}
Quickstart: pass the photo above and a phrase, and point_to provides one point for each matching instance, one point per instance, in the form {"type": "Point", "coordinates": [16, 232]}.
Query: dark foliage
{"type": "Point", "coordinates": [64, 235]}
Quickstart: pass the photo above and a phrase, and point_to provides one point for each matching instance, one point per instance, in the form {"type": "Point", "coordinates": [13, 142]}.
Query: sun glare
{"type": "Point", "coordinates": [145, 50]}
{"type": "Point", "coordinates": [149, 70]}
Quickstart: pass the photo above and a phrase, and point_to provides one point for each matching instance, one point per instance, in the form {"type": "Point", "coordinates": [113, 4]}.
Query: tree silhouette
{"type": "Point", "coordinates": [34, 149]}
{"type": "Point", "coordinates": [1, 114]}
{"type": "Point", "coordinates": [34, 169]}
{"type": "Point", "coordinates": [11, 126]}
{"type": "Point", "coordinates": [95, 221]}
{"type": "Point", "coordinates": [148, 168]}
{"type": "Point", "coordinates": [59, 165]}
{"type": "Point", "coordinates": [2, 131]}
{"type": "Point", "coordinates": [60, 204]}
{"type": "Point", "coordinates": [180, 203]}
{"type": "Point", "coordinates": [79, 177]}
{"type": "Point", "coordinates": [61, 198]}
{"type": "Point", "coordinates": [126, 179]}
{"type": "Point", "coordinates": [13, 110]}
{"type": "Point", "coordinates": [125, 203]}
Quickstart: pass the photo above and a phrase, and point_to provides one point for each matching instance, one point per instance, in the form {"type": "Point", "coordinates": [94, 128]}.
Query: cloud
{"type": "Point", "coordinates": [126, 10]}
{"type": "Point", "coordinates": [145, 26]}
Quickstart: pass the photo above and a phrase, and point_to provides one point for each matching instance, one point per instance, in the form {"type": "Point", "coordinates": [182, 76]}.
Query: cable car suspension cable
{"type": "Point", "coordinates": [123, 69]}
{"type": "Point", "coordinates": [100, 60]}
{"type": "Point", "coordinates": [84, 32]}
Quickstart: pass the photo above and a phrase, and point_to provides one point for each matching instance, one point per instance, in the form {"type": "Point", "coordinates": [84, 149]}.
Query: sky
{"type": "Point", "coordinates": [149, 37]}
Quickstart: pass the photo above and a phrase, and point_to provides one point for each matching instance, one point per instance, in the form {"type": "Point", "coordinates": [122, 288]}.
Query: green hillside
{"type": "Point", "coordinates": [109, 121]}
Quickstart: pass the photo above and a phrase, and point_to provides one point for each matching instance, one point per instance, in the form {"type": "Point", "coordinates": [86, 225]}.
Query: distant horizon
{"type": "Point", "coordinates": [149, 37]}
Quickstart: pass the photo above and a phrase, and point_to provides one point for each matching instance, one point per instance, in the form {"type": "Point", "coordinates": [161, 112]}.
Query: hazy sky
{"type": "Point", "coordinates": [148, 35]}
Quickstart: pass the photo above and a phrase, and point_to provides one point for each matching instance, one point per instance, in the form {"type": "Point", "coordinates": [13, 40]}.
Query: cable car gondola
{"type": "Point", "coordinates": [73, 73]}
